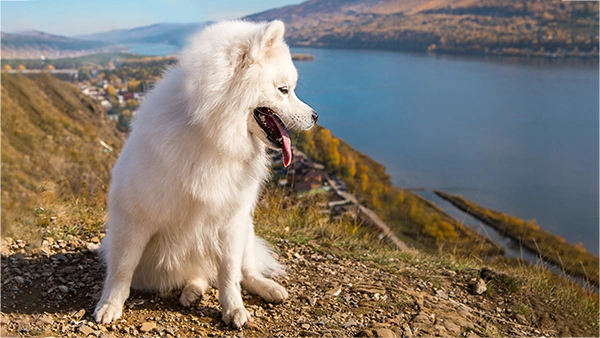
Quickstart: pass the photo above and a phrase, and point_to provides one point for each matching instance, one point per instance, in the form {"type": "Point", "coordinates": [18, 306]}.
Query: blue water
{"type": "Point", "coordinates": [515, 135]}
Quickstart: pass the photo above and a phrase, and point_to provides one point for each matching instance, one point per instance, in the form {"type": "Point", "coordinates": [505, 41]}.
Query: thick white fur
{"type": "Point", "coordinates": [185, 186]}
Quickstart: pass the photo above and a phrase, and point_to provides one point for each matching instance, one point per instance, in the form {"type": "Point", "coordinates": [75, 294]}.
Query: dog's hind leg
{"type": "Point", "coordinates": [193, 290]}
{"type": "Point", "coordinates": [122, 252]}
{"type": "Point", "coordinates": [258, 260]}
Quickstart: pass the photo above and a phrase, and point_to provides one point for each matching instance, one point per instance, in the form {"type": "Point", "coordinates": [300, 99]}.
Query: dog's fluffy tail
{"type": "Point", "coordinates": [265, 262]}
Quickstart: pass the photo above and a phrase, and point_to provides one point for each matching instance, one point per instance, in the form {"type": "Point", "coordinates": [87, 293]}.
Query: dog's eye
{"type": "Point", "coordinates": [283, 90]}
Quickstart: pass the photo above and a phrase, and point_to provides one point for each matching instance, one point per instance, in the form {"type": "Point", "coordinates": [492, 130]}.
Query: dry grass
{"type": "Point", "coordinates": [51, 152]}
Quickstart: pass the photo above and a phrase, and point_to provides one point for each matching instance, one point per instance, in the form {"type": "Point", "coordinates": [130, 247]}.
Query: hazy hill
{"type": "Point", "coordinates": [169, 33]}
{"type": "Point", "coordinates": [51, 149]}
{"type": "Point", "coordinates": [522, 27]}
{"type": "Point", "coordinates": [33, 44]}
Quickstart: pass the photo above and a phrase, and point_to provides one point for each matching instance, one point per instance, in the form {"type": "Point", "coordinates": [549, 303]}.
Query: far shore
{"type": "Point", "coordinates": [303, 57]}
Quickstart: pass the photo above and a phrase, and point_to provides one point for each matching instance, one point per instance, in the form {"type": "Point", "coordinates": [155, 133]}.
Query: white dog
{"type": "Point", "coordinates": [185, 186]}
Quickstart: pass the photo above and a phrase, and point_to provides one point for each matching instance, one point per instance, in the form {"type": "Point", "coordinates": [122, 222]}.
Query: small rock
{"type": "Point", "coordinates": [45, 320]}
{"type": "Point", "coordinates": [334, 291]}
{"type": "Point", "coordinates": [311, 300]}
{"type": "Point", "coordinates": [489, 273]}
{"type": "Point", "coordinates": [79, 314]}
{"type": "Point", "coordinates": [349, 324]}
{"type": "Point", "coordinates": [63, 288]}
{"type": "Point", "coordinates": [93, 247]}
{"type": "Point", "coordinates": [19, 280]}
{"type": "Point", "coordinates": [521, 319]}
{"type": "Point", "coordinates": [365, 333]}
{"type": "Point", "coordinates": [147, 327]}
{"type": "Point", "coordinates": [249, 325]}
{"type": "Point", "coordinates": [384, 333]}
{"type": "Point", "coordinates": [479, 287]}
{"type": "Point", "coordinates": [24, 324]}
{"type": "Point", "coordinates": [137, 302]}
{"type": "Point", "coordinates": [305, 326]}
{"type": "Point", "coordinates": [449, 273]}
{"type": "Point", "coordinates": [440, 293]}
{"type": "Point", "coordinates": [86, 330]}
{"type": "Point", "coordinates": [472, 334]}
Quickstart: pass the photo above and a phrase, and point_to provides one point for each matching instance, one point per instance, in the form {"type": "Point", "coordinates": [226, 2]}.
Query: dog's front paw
{"type": "Point", "coordinates": [107, 312]}
{"type": "Point", "coordinates": [236, 317]}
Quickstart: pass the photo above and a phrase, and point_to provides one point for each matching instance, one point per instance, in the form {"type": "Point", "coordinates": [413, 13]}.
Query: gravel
{"type": "Point", "coordinates": [51, 290]}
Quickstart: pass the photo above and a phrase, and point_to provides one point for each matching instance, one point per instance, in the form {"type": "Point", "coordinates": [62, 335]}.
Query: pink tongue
{"type": "Point", "coordinates": [286, 151]}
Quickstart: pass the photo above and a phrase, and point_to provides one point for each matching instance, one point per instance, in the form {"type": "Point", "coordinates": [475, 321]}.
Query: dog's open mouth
{"type": "Point", "coordinates": [276, 131]}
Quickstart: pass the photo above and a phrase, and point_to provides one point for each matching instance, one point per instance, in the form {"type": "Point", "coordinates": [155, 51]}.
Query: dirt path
{"type": "Point", "coordinates": [370, 214]}
{"type": "Point", "coordinates": [52, 290]}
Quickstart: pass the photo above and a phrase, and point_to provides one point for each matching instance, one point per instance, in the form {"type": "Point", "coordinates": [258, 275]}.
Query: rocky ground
{"type": "Point", "coordinates": [52, 290]}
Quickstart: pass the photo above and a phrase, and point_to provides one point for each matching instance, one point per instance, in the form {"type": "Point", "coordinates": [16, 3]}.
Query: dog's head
{"type": "Point", "coordinates": [276, 107]}
{"type": "Point", "coordinates": [241, 67]}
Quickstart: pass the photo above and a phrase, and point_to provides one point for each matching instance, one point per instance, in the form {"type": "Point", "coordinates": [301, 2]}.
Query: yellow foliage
{"type": "Point", "coordinates": [351, 165]}
{"type": "Point", "coordinates": [131, 104]}
{"type": "Point", "coordinates": [334, 153]}
{"type": "Point", "coordinates": [50, 67]}
{"type": "Point", "coordinates": [21, 67]}
{"type": "Point", "coordinates": [401, 197]}
{"type": "Point", "coordinates": [110, 89]}
{"type": "Point", "coordinates": [440, 230]}
{"type": "Point", "coordinates": [364, 182]}
{"type": "Point", "coordinates": [7, 67]}
{"type": "Point", "coordinates": [375, 201]}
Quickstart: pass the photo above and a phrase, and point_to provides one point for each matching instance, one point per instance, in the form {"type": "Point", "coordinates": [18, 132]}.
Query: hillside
{"type": "Point", "coordinates": [525, 27]}
{"type": "Point", "coordinates": [168, 33]}
{"type": "Point", "coordinates": [51, 153]}
{"type": "Point", "coordinates": [34, 44]}
{"type": "Point", "coordinates": [343, 282]}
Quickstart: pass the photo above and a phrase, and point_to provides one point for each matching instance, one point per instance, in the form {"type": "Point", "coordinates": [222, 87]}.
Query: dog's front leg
{"type": "Point", "coordinates": [124, 246]}
{"type": "Point", "coordinates": [230, 272]}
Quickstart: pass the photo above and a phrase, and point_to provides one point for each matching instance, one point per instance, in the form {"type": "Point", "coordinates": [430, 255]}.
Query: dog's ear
{"type": "Point", "coordinates": [272, 35]}
{"type": "Point", "coordinates": [266, 39]}
{"type": "Point", "coordinates": [258, 46]}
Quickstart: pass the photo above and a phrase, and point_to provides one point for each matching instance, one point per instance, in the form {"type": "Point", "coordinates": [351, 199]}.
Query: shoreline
{"type": "Point", "coordinates": [574, 260]}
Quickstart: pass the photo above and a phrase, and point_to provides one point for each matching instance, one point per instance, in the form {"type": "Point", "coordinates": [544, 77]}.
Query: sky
{"type": "Point", "coordinates": [78, 17]}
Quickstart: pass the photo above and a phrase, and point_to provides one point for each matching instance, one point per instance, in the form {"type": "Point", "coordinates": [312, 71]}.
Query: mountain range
{"type": "Point", "coordinates": [167, 33]}
{"type": "Point", "coordinates": [519, 27]}
{"type": "Point", "coordinates": [33, 44]}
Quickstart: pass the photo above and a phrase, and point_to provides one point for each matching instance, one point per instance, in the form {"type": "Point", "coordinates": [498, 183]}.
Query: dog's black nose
{"type": "Point", "coordinates": [315, 116]}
